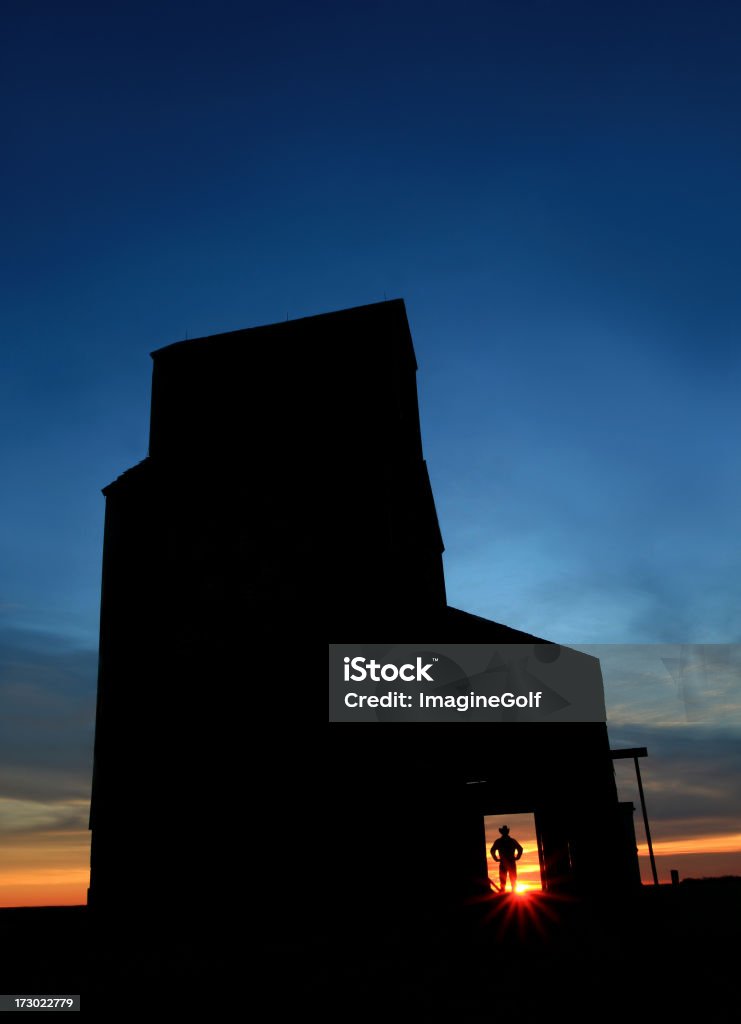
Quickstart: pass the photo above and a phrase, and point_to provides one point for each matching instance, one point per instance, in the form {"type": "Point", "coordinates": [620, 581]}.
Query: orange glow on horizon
{"type": "Point", "coordinates": [44, 894]}
{"type": "Point", "coordinates": [51, 867]}
{"type": "Point", "coordinates": [49, 885]}
{"type": "Point", "coordinates": [728, 842]}
{"type": "Point", "coordinates": [47, 866]}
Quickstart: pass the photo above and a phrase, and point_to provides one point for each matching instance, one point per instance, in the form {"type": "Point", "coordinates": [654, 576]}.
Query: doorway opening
{"type": "Point", "coordinates": [522, 828]}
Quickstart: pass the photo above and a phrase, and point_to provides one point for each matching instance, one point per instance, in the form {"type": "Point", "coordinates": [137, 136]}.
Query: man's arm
{"type": "Point", "coordinates": [520, 851]}
{"type": "Point", "coordinates": [494, 851]}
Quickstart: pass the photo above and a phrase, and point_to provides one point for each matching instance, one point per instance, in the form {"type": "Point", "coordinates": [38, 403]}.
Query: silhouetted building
{"type": "Point", "coordinates": [285, 491]}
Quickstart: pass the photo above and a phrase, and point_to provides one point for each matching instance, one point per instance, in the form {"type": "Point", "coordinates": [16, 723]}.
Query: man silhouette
{"type": "Point", "coordinates": [506, 852]}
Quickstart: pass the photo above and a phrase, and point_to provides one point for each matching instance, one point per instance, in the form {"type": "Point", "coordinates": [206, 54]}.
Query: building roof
{"type": "Point", "coordinates": [363, 321]}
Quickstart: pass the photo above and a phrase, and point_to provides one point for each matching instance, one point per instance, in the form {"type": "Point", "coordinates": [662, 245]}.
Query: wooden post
{"type": "Point", "coordinates": [645, 821]}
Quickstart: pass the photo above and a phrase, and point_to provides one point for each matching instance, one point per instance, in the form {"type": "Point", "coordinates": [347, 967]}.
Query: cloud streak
{"type": "Point", "coordinates": [47, 716]}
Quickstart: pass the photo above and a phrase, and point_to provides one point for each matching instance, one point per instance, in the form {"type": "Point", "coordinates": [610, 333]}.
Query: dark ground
{"type": "Point", "coordinates": [663, 953]}
{"type": "Point", "coordinates": [666, 952]}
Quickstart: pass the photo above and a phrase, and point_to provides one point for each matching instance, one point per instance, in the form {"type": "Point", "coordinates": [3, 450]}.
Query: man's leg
{"type": "Point", "coordinates": [502, 876]}
{"type": "Point", "coordinates": [513, 875]}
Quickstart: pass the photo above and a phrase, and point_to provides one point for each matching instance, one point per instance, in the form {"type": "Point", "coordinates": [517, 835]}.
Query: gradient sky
{"type": "Point", "coordinates": [553, 189]}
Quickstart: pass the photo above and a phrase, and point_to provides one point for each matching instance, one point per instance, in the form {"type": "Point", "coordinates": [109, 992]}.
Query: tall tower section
{"type": "Point", "coordinates": [284, 491]}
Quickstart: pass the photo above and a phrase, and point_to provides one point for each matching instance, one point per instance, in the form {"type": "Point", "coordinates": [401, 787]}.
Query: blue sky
{"type": "Point", "coordinates": [551, 186]}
